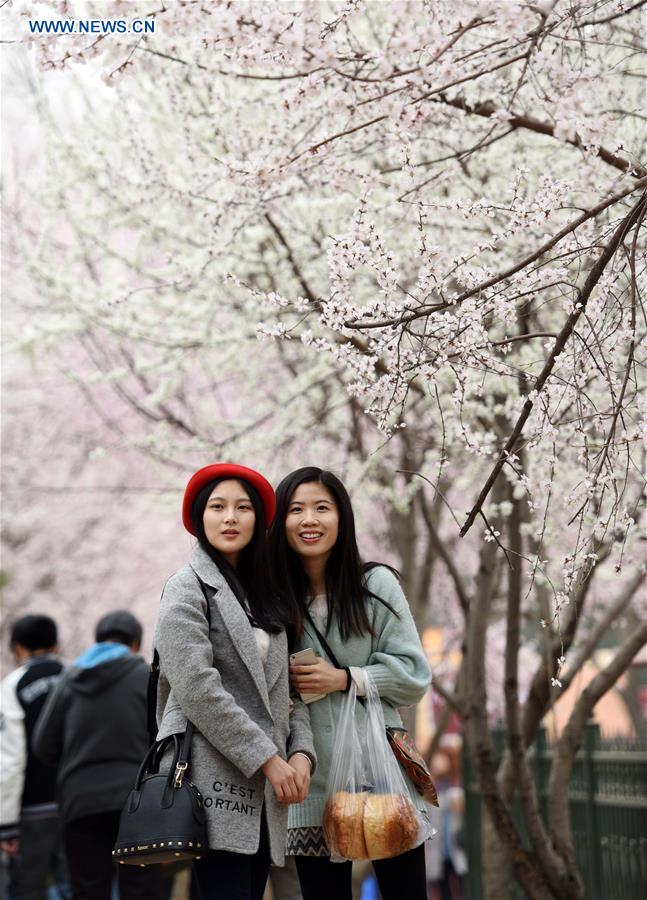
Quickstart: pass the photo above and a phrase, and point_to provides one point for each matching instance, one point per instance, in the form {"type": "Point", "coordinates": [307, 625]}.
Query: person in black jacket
{"type": "Point", "coordinates": [29, 821]}
{"type": "Point", "coordinates": [94, 729]}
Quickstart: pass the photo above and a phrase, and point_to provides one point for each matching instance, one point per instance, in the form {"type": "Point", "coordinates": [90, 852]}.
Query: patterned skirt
{"type": "Point", "coordinates": [307, 842]}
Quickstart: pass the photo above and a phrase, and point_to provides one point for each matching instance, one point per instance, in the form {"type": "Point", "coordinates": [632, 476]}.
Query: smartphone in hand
{"type": "Point", "coordinates": [306, 656]}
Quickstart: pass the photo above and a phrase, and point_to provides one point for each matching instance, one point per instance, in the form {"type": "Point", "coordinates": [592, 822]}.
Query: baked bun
{"type": "Point", "coordinates": [390, 825]}
{"type": "Point", "coordinates": [343, 826]}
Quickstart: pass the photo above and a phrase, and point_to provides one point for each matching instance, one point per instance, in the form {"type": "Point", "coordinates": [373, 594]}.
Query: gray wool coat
{"type": "Point", "coordinates": [240, 709]}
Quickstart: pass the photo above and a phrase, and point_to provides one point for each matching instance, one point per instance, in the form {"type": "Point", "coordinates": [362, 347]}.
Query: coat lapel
{"type": "Point", "coordinates": [235, 620]}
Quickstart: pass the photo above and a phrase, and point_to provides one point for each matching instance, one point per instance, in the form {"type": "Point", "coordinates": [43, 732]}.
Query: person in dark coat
{"type": "Point", "coordinates": [94, 728]}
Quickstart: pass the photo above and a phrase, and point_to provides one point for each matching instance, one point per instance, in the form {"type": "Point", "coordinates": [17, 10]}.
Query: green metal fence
{"type": "Point", "coordinates": [608, 807]}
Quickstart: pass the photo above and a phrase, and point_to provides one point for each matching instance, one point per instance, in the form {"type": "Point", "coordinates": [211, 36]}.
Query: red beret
{"type": "Point", "coordinates": [227, 470]}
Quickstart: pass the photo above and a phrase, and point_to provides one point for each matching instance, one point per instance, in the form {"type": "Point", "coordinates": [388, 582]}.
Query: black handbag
{"type": "Point", "coordinates": [163, 819]}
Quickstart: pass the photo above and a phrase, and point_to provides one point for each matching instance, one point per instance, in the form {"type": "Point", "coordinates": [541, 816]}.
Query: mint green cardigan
{"type": "Point", "coordinates": [395, 660]}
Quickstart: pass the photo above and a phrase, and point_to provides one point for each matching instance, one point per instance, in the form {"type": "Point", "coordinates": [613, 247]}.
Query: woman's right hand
{"type": "Point", "coordinates": [281, 775]}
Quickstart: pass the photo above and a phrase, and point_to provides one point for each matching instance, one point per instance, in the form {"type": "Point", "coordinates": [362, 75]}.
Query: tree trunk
{"type": "Point", "coordinates": [477, 728]}
{"type": "Point", "coordinates": [496, 864]}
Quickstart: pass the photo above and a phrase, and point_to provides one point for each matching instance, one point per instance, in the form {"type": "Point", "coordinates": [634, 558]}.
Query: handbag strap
{"type": "Point", "coordinates": [322, 640]}
{"type": "Point", "coordinates": [326, 646]}
{"type": "Point", "coordinates": [151, 698]}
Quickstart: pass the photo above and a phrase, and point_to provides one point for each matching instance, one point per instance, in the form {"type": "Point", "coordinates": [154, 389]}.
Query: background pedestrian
{"type": "Point", "coordinates": [29, 819]}
{"type": "Point", "coordinates": [94, 728]}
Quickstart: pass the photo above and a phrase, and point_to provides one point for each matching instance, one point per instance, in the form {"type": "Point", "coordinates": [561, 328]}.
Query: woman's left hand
{"type": "Point", "coordinates": [303, 767]}
{"type": "Point", "coordinates": [319, 677]}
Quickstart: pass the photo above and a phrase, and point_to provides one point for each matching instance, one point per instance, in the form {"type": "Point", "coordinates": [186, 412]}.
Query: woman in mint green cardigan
{"type": "Point", "coordinates": [365, 619]}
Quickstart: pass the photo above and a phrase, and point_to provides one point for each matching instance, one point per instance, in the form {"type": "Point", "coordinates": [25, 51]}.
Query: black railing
{"type": "Point", "coordinates": [608, 808]}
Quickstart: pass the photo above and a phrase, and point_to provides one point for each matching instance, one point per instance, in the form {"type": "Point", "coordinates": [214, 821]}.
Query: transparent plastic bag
{"type": "Point", "coordinates": [369, 811]}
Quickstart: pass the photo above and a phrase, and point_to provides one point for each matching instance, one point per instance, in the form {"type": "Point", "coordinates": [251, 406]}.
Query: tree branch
{"type": "Point", "coordinates": [488, 109]}
{"type": "Point", "coordinates": [559, 644]}
{"type": "Point", "coordinates": [459, 584]}
{"type": "Point", "coordinates": [509, 272]}
{"type": "Point", "coordinates": [442, 720]}
{"type": "Point", "coordinates": [451, 699]}
{"type": "Point", "coordinates": [585, 651]}
{"type": "Point", "coordinates": [472, 76]}
{"type": "Point", "coordinates": [618, 15]}
{"type": "Point", "coordinates": [590, 283]}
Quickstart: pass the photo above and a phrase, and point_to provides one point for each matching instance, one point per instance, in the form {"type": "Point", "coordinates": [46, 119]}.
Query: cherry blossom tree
{"type": "Point", "coordinates": [431, 215]}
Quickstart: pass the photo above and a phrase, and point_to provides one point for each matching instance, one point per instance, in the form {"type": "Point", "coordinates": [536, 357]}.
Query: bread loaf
{"type": "Point", "coordinates": [390, 825]}
{"type": "Point", "coordinates": [343, 824]}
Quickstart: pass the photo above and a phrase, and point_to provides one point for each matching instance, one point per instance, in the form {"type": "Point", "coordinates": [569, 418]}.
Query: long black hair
{"type": "Point", "coordinates": [252, 581]}
{"type": "Point", "coordinates": [346, 589]}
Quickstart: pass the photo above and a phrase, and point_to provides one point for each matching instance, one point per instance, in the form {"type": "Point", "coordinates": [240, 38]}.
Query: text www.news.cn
{"type": "Point", "coordinates": [91, 26]}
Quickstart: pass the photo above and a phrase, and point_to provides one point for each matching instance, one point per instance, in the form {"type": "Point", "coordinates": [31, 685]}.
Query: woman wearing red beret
{"type": "Point", "coordinates": [223, 653]}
